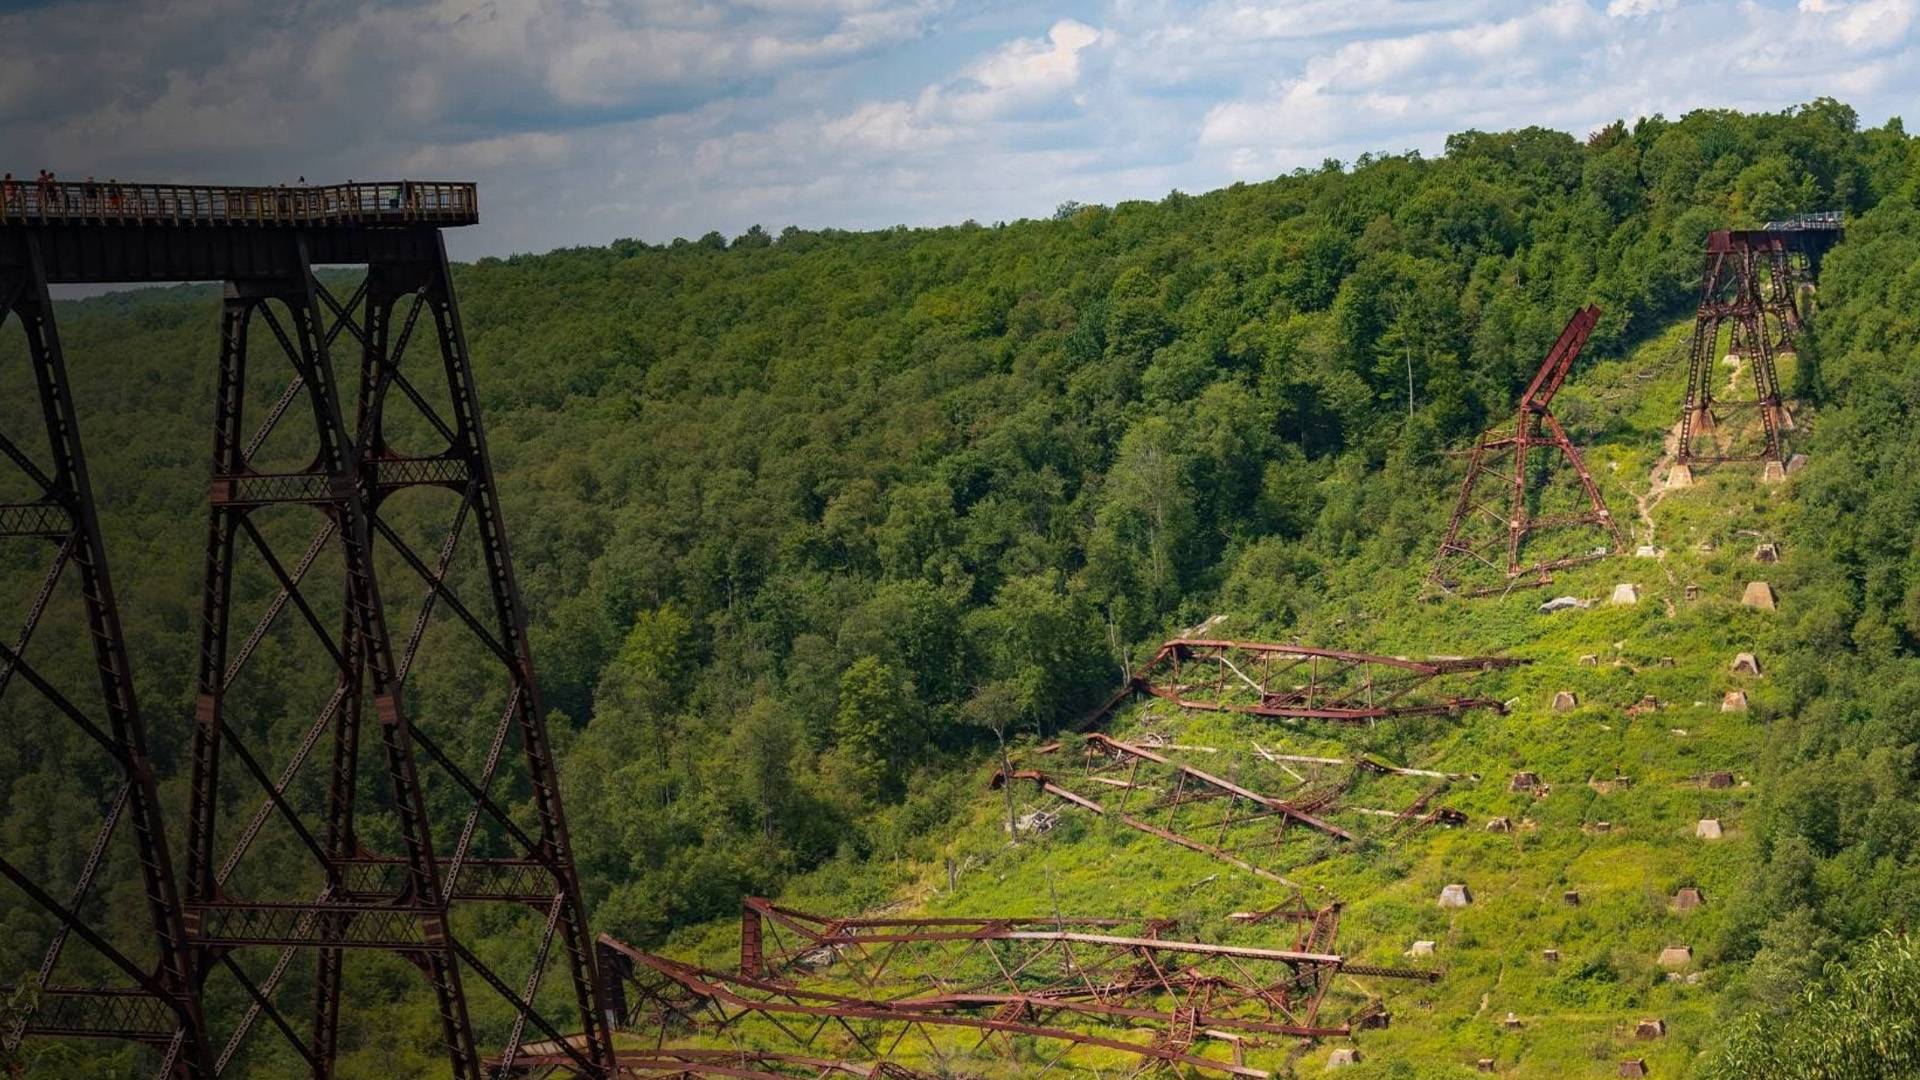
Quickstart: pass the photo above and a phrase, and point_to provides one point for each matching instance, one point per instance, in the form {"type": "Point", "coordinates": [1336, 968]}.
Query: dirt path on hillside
{"type": "Point", "coordinates": [1643, 503]}
{"type": "Point", "coordinates": [1656, 483]}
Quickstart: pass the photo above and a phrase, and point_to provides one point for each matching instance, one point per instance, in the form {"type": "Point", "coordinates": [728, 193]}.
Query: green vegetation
{"type": "Point", "coordinates": [1857, 1024]}
{"type": "Point", "coordinates": [807, 524]}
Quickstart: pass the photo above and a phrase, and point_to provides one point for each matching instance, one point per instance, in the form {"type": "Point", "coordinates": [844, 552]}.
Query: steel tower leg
{"type": "Point", "coordinates": [291, 873]}
{"type": "Point", "coordinates": [1696, 413]}
{"type": "Point", "coordinates": [345, 909]}
{"type": "Point", "coordinates": [160, 1008]}
{"type": "Point", "coordinates": [404, 300]}
{"type": "Point", "coordinates": [1783, 294]}
{"type": "Point", "coordinates": [1759, 350]}
{"type": "Point", "coordinates": [1466, 546]}
{"type": "Point", "coordinates": [1733, 296]}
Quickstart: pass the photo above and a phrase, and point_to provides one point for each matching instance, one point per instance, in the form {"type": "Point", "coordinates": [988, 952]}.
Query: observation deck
{"type": "Point", "coordinates": [96, 231]}
{"type": "Point", "coordinates": [1804, 234]}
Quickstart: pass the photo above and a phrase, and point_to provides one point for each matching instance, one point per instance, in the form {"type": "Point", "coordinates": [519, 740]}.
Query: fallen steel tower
{"type": "Point", "coordinates": [1498, 510]}
{"type": "Point", "coordinates": [958, 985]}
{"type": "Point", "coordinates": [1296, 682]}
{"type": "Point", "coordinates": [1230, 819]}
{"type": "Point", "coordinates": [696, 1063]}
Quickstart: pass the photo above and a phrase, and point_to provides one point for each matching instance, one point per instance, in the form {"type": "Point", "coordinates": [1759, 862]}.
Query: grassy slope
{"type": "Point", "coordinates": [1577, 1015]}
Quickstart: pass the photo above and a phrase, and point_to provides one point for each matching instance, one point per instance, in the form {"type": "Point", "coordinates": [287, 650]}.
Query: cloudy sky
{"type": "Point", "coordinates": [587, 120]}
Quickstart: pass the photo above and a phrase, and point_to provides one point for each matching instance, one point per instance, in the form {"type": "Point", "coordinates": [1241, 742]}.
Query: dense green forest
{"type": "Point", "coordinates": [807, 523]}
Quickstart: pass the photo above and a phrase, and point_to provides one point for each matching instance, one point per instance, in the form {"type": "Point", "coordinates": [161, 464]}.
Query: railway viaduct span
{"type": "Point", "coordinates": [345, 826]}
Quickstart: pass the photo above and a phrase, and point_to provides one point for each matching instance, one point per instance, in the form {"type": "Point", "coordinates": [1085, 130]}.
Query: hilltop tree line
{"type": "Point", "coordinates": [804, 521]}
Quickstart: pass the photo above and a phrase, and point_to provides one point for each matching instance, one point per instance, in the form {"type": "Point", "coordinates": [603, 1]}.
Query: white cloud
{"type": "Point", "coordinates": [400, 70]}
{"type": "Point", "coordinates": [1568, 66]}
{"type": "Point", "coordinates": [1023, 74]}
{"type": "Point", "coordinates": [1862, 24]}
{"type": "Point", "coordinates": [1627, 9]}
{"type": "Point", "coordinates": [590, 119]}
{"type": "Point", "coordinates": [1171, 43]}
{"type": "Point", "coordinates": [522, 149]}
{"type": "Point", "coordinates": [883, 126]}
{"type": "Point", "coordinates": [1373, 86]}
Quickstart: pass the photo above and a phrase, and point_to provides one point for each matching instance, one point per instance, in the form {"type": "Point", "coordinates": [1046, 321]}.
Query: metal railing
{"type": "Point", "coordinates": [1819, 219]}
{"type": "Point", "coordinates": [403, 202]}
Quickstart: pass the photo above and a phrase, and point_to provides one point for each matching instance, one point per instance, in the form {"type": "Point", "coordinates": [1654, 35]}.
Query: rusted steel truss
{"type": "Point", "coordinates": [288, 861]}
{"type": "Point", "coordinates": [1750, 289]}
{"type": "Point", "coordinates": [785, 943]}
{"type": "Point", "coordinates": [1227, 819]}
{"type": "Point", "coordinates": [1486, 548]}
{"type": "Point", "coordinates": [1731, 298]}
{"type": "Point", "coordinates": [150, 997]}
{"type": "Point", "coordinates": [355, 897]}
{"type": "Point", "coordinates": [954, 986]}
{"type": "Point", "coordinates": [696, 1063]}
{"type": "Point", "coordinates": [1294, 682]}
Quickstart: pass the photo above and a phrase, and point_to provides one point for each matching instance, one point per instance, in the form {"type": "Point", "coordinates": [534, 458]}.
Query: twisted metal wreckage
{"type": "Point", "coordinates": [1234, 823]}
{"type": "Point", "coordinates": [1275, 681]}
{"type": "Point", "coordinates": [955, 985]}
{"type": "Point", "coordinates": [1296, 682]}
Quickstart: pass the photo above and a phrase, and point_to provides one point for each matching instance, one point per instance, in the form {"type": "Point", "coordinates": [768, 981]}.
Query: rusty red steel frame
{"type": "Point", "coordinates": [151, 998]}
{"type": "Point", "coordinates": [1497, 511]}
{"type": "Point", "coordinates": [1226, 819]}
{"type": "Point", "coordinates": [1750, 288]}
{"type": "Point", "coordinates": [296, 546]}
{"type": "Point", "coordinates": [1295, 682]}
{"type": "Point", "coordinates": [781, 942]}
{"type": "Point", "coordinates": [1069, 984]}
{"type": "Point", "coordinates": [695, 1063]}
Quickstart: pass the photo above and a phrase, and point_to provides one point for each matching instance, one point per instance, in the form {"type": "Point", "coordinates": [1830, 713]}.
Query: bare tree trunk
{"type": "Point", "coordinates": [1006, 783]}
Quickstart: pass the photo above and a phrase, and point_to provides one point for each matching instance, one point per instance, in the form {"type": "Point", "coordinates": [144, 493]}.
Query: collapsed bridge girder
{"type": "Point", "coordinates": [1296, 682]}
{"type": "Point", "coordinates": [695, 1063]}
{"type": "Point", "coordinates": [1246, 828]}
{"type": "Point", "coordinates": [860, 937]}
{"type": "Point", "coordinates": [1069, 983]}
{"type": "Point", "coordinates": [726, 999]}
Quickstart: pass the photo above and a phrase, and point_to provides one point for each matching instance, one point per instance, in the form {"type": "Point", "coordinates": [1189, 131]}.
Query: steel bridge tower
{"type": "Point", "coordinates": [1496, 513]}
{"type": "Point", "coordinates": [298, 854]}
{"type": "Point", "coordinates": [1750, 287]}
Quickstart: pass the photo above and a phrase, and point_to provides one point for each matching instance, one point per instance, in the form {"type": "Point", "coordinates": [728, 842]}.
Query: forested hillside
{"type": "Point", "coordinates": [807, 523]}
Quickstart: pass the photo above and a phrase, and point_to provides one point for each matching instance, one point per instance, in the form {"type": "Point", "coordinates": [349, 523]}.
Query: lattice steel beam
{"type": "Point", "coordinates": [1074, 984]}
{"type": "Point", "coordinates": [1230, 820]}
{"type": "Point", "coordinates": [1294, 682]}
{"type": "Point", "coordinates": [314, 588]}
{"type": "Point", "coordinates": [1750, 289]}
{"type": "Point", "coordinates": [156, 1003]}
{"type": "Point", "coordinates": [694, 1063]}
{"type": "Point", "coordinates": [402, 901]}
{"type": "Point", "coordinates": [1485, 548]}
